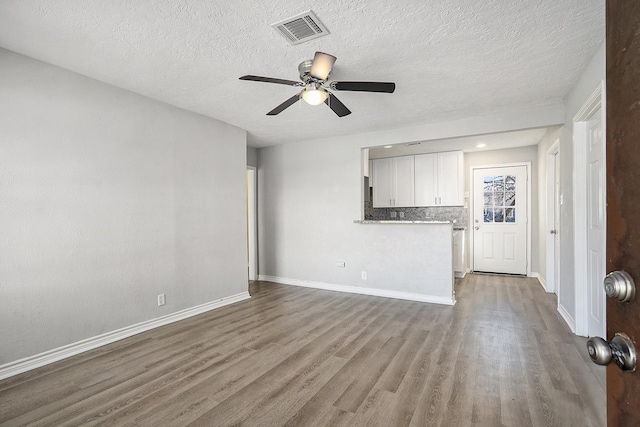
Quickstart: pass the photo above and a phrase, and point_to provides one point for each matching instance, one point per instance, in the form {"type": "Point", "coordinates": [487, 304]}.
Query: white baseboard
{"type": "Point", "coordinates": [357, 290]}
{"type": "Point", "coordinates": [60, 353]}
{"type": "Point", "coordinates": [567, 318]}
{"type": "Point", "coordinates": [461, 274]}
{"type": "Point", "coordinates": [541, 280]}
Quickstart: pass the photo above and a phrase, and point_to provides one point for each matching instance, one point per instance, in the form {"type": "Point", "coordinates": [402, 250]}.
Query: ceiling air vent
{"type": "Point", "coordinates": [301, 28]}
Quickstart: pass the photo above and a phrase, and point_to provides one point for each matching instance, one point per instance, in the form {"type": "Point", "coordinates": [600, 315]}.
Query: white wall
{"type": "Point", "coordinates": [511, 155]}
{"type": "Point", "coordinates": [109, 199]}
{"type": "Point", "coordinates": [310, 193]}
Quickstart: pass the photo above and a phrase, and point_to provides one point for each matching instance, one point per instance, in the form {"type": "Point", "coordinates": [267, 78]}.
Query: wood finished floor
{"type": "Point", "coordinates": [297, 357]}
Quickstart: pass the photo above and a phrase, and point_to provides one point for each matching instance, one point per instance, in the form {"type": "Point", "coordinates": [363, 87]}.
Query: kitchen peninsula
{"type": "Point", "coordinates": [410, 259]}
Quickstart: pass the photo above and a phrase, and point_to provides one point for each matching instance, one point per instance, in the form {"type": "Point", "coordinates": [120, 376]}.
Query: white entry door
{"type": "Point", "coordinates": [500, 220]}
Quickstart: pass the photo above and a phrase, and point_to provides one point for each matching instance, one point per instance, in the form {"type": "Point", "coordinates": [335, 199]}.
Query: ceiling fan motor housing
{"type": "Point", "coordinates": [305, 72]}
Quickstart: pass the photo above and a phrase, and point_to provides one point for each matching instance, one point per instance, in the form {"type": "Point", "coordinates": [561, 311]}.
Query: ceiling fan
{"type": "Point", "coordinates": [314, 75]}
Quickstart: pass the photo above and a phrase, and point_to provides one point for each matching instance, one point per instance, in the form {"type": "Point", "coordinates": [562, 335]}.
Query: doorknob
{"type": "Point", "coordinates": [620, 350]}
{"type": "Point", "coordinates": [553, 232]}
{"type": "Point", "coordinates": [620, 286]}
{"type": "Point", "coordinates": [476, 227]}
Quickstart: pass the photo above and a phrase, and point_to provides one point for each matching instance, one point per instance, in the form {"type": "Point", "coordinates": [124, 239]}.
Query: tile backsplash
{"type": "Point", "coordinates": [458, 214]}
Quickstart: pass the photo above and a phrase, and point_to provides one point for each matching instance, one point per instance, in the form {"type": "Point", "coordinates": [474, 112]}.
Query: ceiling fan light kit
{"type": "Point", "coordinates": [314, 94]}
{"type": "Point", "coordinates": [314, 76]}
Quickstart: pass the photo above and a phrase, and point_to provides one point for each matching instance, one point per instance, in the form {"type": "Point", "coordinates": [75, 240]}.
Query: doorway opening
{"type": "Point", "coordinates": [552, 283]}
{"type": "Point", "coordinates": [252, 237]}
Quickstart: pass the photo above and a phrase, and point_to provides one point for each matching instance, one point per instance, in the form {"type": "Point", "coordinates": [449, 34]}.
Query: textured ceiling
{"type": "Point", "coordinates": [449, 59]}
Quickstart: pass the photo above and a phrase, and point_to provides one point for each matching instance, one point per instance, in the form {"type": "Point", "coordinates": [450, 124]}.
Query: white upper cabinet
{"type": "Point", "coordinates": [439, 179]}
{"type": "Point", "coordinates": [426, 182]}
{"type": "Point", "coordinates": [403, 172]}
{"type": "Point", "coordinates": [393, 182]}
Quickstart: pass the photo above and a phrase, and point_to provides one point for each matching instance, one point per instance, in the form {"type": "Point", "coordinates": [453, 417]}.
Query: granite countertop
{"type": "Point", "coordinates": [389, 221]}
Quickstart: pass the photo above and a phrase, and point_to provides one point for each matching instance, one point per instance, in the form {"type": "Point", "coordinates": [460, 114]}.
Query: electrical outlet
{"type": "Point", "coordinates": [364, 275]}
{"type": "Point", "coordinates": [161, 300]}
{"type": "Point", "coordinates": [341, 264]}
{"type": "Point", "coordinates": [401, 214]}
{"type": "Point", "coordinates": [393, 214]}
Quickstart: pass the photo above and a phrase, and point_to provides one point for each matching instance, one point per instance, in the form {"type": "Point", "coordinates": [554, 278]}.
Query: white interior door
{"type": "Point", "coordinates": [596, 226]}
{"type": "Point", "coordinates": [552, 223]}
{"type": "Point", "coordinates": [500, 220]}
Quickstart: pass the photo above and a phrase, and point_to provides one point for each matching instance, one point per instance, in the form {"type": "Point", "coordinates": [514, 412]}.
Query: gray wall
{"type": "Point", "coordinates": [252, 157]}
{"type": "Point", "coordinates": [511, 155]}
{"type": "Point", "coordinates": [547, 141]}
{"type": "Point", "coordinates": [591, 78]}
{"type": "Point", "coordinates": [309, 196]}
{"type": "Point", "coordinates": [109, 199]}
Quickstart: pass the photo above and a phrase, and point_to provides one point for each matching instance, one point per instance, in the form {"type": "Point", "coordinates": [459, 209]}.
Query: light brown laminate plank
{"type": "Point", "coordinates": [299, 356]}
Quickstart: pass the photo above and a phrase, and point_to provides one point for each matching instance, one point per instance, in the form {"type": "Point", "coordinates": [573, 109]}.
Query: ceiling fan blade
{"type": "Point", "coordinates": [385, 87]}
{"type": "Point", "coordinates": [338, 107]}
{"type": "Point", "coordinates": [286, 104]}
{"type": "Point", "coordinates": [321, 66]}
{"type": "Point", "coordinates": [271, 80]}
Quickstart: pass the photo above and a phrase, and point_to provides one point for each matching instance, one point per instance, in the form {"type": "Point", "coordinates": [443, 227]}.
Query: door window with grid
{"type": "Point", "coordinates": [499, 199]}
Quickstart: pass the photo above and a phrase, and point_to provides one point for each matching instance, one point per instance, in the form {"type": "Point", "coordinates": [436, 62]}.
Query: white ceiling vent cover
{"type": "Point", "coordinates": [301, 28]}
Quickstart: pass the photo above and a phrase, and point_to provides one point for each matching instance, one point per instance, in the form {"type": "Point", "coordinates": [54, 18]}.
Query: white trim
{"type": "Point", "coordinates": [529, 219]}
{"type": "Point", "coordinates": [541, 280]}
{"type": "Point", "coordinates": [252, 221]}
{"type": "Point", "coordinates": [595, 101]}
{"type": "Point", "coordinates": [461, 274]}
{"type": "Point", "coordinates": [357, 290]}
{"type": "Point", "coordinates": [60, 353]}
{"type": "Point", "coordinates": [552, 156]}
{"type": "Point", "coordinates": [567, 318]}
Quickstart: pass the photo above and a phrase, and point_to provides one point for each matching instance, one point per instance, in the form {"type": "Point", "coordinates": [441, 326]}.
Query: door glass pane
{"type": "Point", "coordinates": [498, 215]}
{"type": "Point", "coordinates": [510, 198]}
{"type": "Point", "coordinates": [488, 199]}
{"type": "Point", "coordinates": [510, 182]}
{"type": "Point", "coordinates": [510, 215]}
{"type": "Point", "coordinates": [498, 183]}
{"type": "Point", "coordinates": [498, 199]}
{"type": "Point", "coordinates": [488, 183]}
{"type": "Point", "coordinates": [488, 215]}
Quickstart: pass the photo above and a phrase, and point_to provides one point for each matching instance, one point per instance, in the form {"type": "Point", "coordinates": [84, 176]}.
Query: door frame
{"type": "Point", "coordinates": [252, 221]}
{"type": "Point", "coordinates": [472, 201]}
{"type": "Point", "coordinates": [580, 226]}
{"type": "Point", "coordinates": [552, 212]}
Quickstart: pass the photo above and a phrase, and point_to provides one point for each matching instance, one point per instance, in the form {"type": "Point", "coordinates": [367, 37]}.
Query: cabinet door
{"type": "Point", "coordinates": [382, 169]}
{"type": "Point", "coordinates": [450, 179]}
{"type": "Point", "coordinates": [458, 253]}
{"type": "Point", "coordinates": [403, 181]}
{"type": "Point", "coordinates": [426, 169]}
